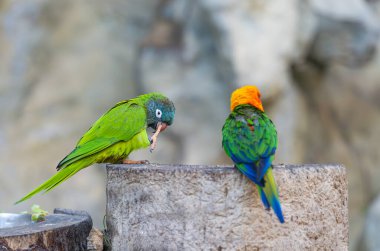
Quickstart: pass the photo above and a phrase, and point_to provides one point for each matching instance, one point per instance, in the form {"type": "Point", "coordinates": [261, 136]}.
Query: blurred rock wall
{"type": "Point", "coordinates": [64, 62]}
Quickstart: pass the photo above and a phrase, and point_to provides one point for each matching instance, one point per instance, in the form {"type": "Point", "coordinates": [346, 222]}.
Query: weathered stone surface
{"type": "Point", "coordinates": [65, 230]}
{"type": "Point", "coordinates": [178, 207]}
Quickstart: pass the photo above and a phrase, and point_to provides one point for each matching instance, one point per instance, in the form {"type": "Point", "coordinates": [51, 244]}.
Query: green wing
{"type": "Point", "coordinates": [120, 123]}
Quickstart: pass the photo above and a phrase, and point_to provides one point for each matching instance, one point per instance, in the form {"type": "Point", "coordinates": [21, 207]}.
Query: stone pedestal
{"type": "Point", "coordinates": [182, 207]}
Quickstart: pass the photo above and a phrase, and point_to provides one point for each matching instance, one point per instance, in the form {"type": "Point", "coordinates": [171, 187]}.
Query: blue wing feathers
{"type": "Point", "coordinates": [263, 198]}
{"type": "Point", "coordinates": [263, 165]}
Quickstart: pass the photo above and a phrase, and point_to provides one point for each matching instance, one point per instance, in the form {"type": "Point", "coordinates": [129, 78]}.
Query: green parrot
{"type": "Point", "coordinates": [250, 140]}
{"type": "Point", "coordinates": [114, 136]}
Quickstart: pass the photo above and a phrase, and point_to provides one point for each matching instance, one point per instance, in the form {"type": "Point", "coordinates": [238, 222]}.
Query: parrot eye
{"type": "Point", "coordinates": [158, 113]}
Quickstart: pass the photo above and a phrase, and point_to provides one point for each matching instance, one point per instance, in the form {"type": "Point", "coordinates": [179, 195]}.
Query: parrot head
{"type": "Point", "coordinates": [159, 110]}
{"type": "Point", "coordinates": [246, 95]}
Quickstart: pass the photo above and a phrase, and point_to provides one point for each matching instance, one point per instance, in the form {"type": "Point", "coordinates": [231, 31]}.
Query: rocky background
{"type": "Point", "coordinates": [64, 62]}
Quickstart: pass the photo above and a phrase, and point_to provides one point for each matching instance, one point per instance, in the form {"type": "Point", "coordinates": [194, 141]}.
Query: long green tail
{"type": "Point", "coordinates": [269, 195]}
{"type": "Point", "coordinates": [55, 180]}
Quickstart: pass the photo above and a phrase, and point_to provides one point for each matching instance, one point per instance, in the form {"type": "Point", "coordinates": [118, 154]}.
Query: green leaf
{"type": "Point", "coordinates": [38, 214]}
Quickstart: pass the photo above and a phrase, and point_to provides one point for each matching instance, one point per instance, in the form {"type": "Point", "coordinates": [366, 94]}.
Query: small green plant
{"type": "Point", "coordinates": [38, 214]}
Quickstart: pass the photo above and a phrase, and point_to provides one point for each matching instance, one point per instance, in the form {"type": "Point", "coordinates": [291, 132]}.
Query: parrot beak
{"type": "Point", "coordinates": [163, 126]}
{"type": "Point", "coordinates": [160, 126]}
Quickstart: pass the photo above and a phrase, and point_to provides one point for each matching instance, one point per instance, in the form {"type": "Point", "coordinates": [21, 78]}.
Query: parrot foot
{"type": "Point", "coordinates": [153, 139]}
{"type": "Point", "coordinates": [129, 161]}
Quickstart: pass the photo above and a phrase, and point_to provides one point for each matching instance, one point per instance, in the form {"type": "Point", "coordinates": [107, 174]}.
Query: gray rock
{"type": "Point", "coordinates": [178, 207]}
{"type": "Point", "coordinates": [359, 42]}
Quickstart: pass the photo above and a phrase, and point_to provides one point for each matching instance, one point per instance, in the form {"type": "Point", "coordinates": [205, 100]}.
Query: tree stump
{"type": "Point", "coordinates": [65, 230]}
{"type": "Point", "coordinates": [184, 207]}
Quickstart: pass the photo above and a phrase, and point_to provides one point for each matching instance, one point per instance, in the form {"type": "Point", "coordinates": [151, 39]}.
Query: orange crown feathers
{"type": "Point", "coordinates": [246, 95]}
